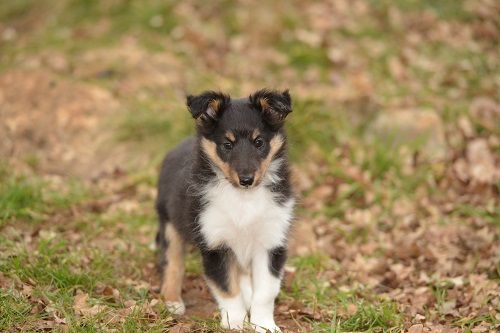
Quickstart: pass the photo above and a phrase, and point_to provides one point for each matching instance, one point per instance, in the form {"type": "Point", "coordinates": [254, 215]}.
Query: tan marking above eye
{"type": "Point", "coordinates": [255, 134]}
{"type": "Point", "coordinates": [230, 136]}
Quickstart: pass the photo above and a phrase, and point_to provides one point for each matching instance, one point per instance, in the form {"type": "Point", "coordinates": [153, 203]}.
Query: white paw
{"type": "Point", "coordinates": [266, 326]}
{"type": "Point", "coordinates": [233, 321]}
{"type": "Point", "coordinates": [232, 325]}
{"type": "Point", "coordinates": [177, 308]}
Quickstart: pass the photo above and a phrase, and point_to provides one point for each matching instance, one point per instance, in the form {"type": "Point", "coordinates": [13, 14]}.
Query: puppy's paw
{"type": "Point", "coordinates": [265, 326]}
{"type": "Point", "coordinates": [177, 308]}
{"type": "Point", "coordinates": [233, 320]}
{"type": "Point", "coordinates": [232, 325]}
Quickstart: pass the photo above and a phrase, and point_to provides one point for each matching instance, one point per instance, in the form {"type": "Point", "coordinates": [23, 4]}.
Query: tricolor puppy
{"type": "Point", "coordinates": [228, 191]}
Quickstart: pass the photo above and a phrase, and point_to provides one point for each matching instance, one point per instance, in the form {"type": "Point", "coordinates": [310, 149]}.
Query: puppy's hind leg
{"type": "Point", "coordinates": [172, 259]}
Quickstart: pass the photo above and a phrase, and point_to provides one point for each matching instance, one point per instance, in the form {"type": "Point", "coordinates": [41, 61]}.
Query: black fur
{"type": "Point", "coordinates": [277, 260]}
{"type": "Point", "coordinates": [277, 105]}
{"type": "Point", "coordinates": [207, 108]}
{"type": "Point", "coordinates": [216, 265]}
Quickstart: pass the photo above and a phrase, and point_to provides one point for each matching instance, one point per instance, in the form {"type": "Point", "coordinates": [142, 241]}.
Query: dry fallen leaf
{"type": "Point", "coordinates": [448, 307]}
{"type": "Point", "coordinates": [351, 309]}
{"type": "Point", "coordinates": [27, 290]}
{"type": "Point", "coordinates": [481, 162]}
{"type": "Point", "coordinates": [181, 328]}
{"type": "Point", "coordinates": [418, 328]}
{"type": "Point", "coordinates": [485, 111]}
{"type": "Point", "coordinates": [82, 307]}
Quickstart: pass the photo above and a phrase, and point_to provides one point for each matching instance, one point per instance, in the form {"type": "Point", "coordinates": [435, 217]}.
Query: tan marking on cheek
{"type": "Point", "coordinates": [230, 136]}
{"type": "Point", "coordinates": [173, 273]}
{"type": "Point", "coordinates": [234, 176]}
{"type": "Point", "coordinates": [276, 143]}
{"type": "Point", "coordinates": [210, 149]}
{"type": "Point", "coordinates": [255, 134]}
{"type": "Point", "coordinates": [234, 275]}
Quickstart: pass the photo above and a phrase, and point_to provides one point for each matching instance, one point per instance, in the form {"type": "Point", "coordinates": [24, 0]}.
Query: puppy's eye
{"type": "Point", "coordinates": [258, 143]}
{"type": "Point", "coordinates": [227, 145]}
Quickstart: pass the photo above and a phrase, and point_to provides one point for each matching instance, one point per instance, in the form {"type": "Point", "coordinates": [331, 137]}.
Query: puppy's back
{"type": "Point", "coordinates": [174, 176]}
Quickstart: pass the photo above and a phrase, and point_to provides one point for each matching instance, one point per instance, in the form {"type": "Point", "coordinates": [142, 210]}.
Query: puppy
{"type": "Point", "coordinates": [228, 191]}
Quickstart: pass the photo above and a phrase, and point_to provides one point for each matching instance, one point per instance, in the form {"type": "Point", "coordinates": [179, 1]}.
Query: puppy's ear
{"type": "Point", "coordinates": [274, 105]}
{"type": "Point", "coordinates": [207, 107]}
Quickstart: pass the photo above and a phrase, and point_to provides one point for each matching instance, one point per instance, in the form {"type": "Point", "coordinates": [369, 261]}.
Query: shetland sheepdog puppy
{"type": "Point", "coordinates": [227, 191]}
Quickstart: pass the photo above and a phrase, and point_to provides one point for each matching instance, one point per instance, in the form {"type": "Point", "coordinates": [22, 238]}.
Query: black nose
{"type": "Point", "coordinates": [246, 180]}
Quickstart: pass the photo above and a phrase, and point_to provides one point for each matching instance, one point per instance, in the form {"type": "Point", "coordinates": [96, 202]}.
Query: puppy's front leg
{"type": "Point", "coordinates": [223, 276]}
{"type": "Point", "coordinates": [266, 277]}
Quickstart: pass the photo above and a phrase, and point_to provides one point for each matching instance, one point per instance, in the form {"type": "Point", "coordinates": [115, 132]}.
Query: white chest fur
{"type": "Point", "coordinates": [244, 220]}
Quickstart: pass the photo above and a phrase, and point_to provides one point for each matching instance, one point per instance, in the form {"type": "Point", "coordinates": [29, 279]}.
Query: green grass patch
{"type": "Point", "coordinates": [57, 269]}
{"type": "Point", "coordinates": [467, 324]}
{"type": "Point", "coordinates": [315, 124]}
{"type": "Point", "coordinates": [29, 197]}
{"type": "Point", "coordinates": [74, 25]}
{"type": "Point", "coordinates": [144, 125]}
{"type": "Point", "coordinates": [313, 291]}
{"type": "Point", "coordinates": [14, 309]}
{"type": "Point", "coordinates": [382, 317]}
{"type": "Point", "coordinates": [303, 56]}
{"type": "Point", "coordinates": [444, 9]}
{"type": "Point", "coordinates": [193, 262]}
{"type": "Point", "coordinates": [488, 214]}
{"type": "Point", "coordinates": [19, 198]}
{"type": "Point", "coordinates": [53, 265]}
{"type": "Point", "coordinates": [156, 124]}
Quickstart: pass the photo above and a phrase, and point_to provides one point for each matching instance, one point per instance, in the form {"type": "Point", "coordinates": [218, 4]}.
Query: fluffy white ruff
{"type": "Point", "coordinates": [246, 220]}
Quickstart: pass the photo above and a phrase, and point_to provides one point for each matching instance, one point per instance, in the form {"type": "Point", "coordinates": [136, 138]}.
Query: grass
{"type": "Point", "coordinates": [445, 9]}
{"type": "Point", "coordinates": [488, 214]}
{"type": "Point", "coordinates": [152, 122]}
{"type": "Point", "coordinates": [15, 309]}
{"type": "Point", "coordinates": [349, 311]}
{"type": "Point", "coordinates": [54, 272]}
{"type": "Point", "coordinates": [25, 197]}
{"type": "Point", "coordinates": [51, 265]}
{"type": "Point", "coordinates": [303, 56]}
{"type": "Point", "coordinates": [19, 198]}
{"type": "Point", "coordinates": [467, 324]}
{"type": "Point", "coordinates": [369, 318]}
{"type": "Point", "coordinates": [123, 17]}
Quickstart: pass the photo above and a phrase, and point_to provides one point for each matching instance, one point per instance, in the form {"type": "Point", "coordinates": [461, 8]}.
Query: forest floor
{"type": "Point", "coordinates": [394, 142]}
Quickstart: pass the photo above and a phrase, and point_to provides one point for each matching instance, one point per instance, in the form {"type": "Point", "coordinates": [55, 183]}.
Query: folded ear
{"type": "Point", "coordinates": [274, 105]}
{"type": "Point", "coordinates": [207, 107]}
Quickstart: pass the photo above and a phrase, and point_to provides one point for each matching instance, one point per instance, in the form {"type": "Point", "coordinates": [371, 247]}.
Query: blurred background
{"type": "Point", "coordinates": [394, 140]}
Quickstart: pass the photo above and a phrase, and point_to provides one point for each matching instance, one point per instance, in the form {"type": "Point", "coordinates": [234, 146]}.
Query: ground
{"type": "Point", "coordinates": [394, 140]}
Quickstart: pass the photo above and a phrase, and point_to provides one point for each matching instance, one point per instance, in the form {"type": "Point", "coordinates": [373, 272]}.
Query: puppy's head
{"type": "Point", "coordinates": [241, 137]}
